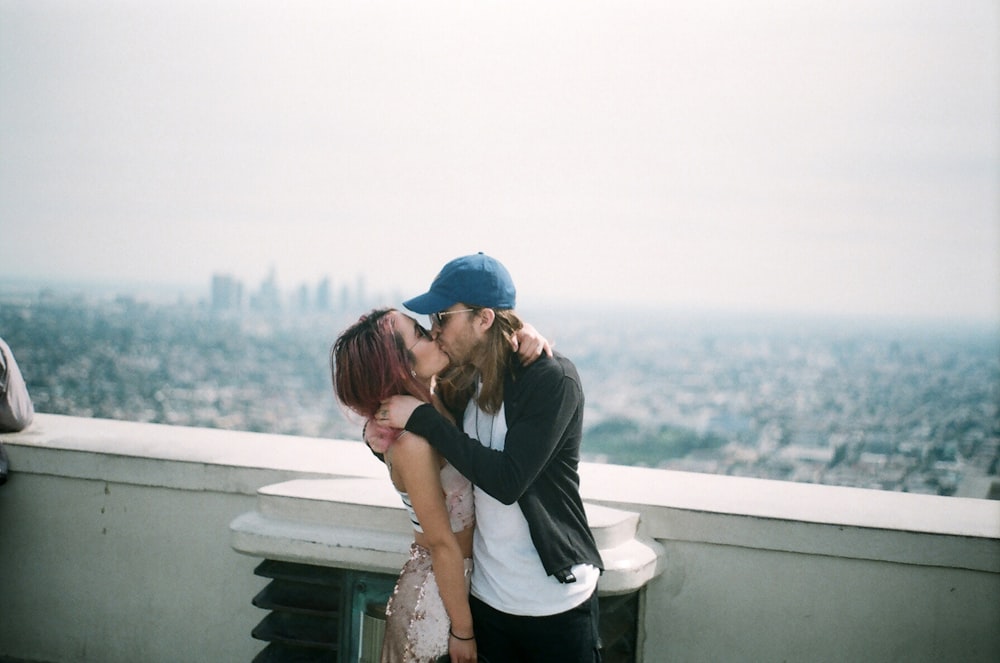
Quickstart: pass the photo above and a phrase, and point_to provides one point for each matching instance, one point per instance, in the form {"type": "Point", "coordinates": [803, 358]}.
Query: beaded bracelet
{"type": "Point", "coordinates": [452, 634]}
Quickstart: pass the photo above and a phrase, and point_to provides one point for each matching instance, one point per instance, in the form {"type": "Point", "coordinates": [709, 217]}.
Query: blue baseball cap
{"type": "Point", "coordinates": [477, 280]}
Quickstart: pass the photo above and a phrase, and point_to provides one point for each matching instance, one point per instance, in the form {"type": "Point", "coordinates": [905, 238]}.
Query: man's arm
{"type": "Point", "coordinates": [546, 404]}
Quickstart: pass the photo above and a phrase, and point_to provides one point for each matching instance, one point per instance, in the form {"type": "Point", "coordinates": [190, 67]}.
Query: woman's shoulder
{"type": "Point", "coordinates": [410, 445]}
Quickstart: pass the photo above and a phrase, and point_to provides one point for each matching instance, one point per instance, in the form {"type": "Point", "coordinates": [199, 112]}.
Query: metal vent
{"type": "Point", "coordinates": [320, 614]}
{"type": "Point", "coordinates": [618, 627]}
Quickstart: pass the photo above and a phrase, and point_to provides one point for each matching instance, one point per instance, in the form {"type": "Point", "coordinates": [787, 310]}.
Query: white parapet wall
{"type": "Point", "coordinates": [776, 571]}
{"type": "Point", "coordinates": [114, 537]}
{"type": "Point", "coordinates": [116, 547]}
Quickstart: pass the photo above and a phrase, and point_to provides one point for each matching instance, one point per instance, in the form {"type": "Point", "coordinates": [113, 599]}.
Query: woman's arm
{"type": "Point", "coordinates": [419, 471]}
{"type": "Point", "coordinates": [529, 344]}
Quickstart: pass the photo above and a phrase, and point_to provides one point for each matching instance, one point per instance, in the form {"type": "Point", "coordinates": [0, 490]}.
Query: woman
{"type": "Point", "coordinates": [385, 353]}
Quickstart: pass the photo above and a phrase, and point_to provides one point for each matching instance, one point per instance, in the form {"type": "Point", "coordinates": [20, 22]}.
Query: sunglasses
{"type": "Point", "coordinates": [438, 318]}
{"type": "Point", "coordinates": [421, 334]}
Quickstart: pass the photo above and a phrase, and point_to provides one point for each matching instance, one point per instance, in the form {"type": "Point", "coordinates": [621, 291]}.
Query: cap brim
{"type": "Point", "coordinates": [428, 303]}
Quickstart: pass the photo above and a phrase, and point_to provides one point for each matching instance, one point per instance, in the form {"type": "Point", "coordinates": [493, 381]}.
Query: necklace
{"type": "Point", "coordinates": [480, 433]}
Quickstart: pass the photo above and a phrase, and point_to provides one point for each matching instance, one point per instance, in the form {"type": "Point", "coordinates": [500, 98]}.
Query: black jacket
{"type": "Point", "coordinates": [538, 467]}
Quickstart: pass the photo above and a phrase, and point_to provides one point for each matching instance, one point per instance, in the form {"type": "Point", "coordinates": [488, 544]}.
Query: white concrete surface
{"type": "Point", "coordinates": [115, 547]}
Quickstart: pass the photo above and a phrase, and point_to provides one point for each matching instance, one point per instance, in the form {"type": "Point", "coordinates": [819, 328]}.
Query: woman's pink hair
{"type": "Point", "coordinates": [369, 362]}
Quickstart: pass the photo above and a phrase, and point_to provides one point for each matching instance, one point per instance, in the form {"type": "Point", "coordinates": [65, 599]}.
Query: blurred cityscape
{"type": "Point", "coordinates": [909, 407]}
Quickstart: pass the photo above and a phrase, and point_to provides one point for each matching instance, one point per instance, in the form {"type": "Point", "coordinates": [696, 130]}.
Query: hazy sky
{"type": "Point", "coordinates": [835, 157]}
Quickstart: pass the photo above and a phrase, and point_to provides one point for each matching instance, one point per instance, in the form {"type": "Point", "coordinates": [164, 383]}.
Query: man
{"type": "Point", "coordinates": [536, 561]}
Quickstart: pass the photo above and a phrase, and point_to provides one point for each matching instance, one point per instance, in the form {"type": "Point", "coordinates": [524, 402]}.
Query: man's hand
{"type": "Point", "coordinates": [395, 411]}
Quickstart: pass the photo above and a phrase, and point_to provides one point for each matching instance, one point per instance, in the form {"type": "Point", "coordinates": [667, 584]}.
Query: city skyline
{"type": "Point", "coordinates": [732, 156]}
{"type": "Point", "coordinates": [350, 293]}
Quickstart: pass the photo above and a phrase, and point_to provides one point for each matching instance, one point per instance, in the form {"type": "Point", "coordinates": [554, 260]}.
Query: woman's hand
{"type": "Point", "coordinates": [378, 437]}
{"type": "Point", "coordinates": [395, 411]}
{"type": "Point", "coordinates": [529, 344]}
{"type": "Point", "coordinates": [462, 651]}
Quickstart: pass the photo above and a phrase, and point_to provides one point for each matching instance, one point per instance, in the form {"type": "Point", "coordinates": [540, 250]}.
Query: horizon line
{"type": "Point", "coordinates": [109, 288]}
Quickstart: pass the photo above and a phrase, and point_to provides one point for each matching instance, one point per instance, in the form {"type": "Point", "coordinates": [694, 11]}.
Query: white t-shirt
{"type": "Point", "coordinates": [508, 574]}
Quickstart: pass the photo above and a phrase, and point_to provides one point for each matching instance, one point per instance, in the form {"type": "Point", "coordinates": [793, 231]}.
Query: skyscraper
{"type": "Point", "coordinates": [227, 293]}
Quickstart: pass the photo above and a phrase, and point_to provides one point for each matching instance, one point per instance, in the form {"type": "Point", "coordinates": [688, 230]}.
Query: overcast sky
{"type": "Point", "coordinates": [821, 157]}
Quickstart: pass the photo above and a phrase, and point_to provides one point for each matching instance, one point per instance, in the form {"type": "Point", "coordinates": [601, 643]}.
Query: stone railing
{"type": "Point", "coordinates": [123, 542]}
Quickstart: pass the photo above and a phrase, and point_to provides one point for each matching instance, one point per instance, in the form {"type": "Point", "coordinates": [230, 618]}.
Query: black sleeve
{"type": "Point", "coordinates": [538, 414]}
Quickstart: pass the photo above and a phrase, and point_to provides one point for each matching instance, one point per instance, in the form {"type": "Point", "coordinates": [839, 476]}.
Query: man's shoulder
{"type": "Point", "coordinates": [545, 368]}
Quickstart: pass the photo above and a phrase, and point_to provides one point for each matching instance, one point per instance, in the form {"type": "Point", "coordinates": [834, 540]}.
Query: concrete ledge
{"type": "Point", "coordinates": [853, 523]}
{"type": "Point", "coordinates": [308, 543]}
{"type": "Point", "coordinates": [177, 457]}
{"type": "Point", "coordinates": [361, 524]}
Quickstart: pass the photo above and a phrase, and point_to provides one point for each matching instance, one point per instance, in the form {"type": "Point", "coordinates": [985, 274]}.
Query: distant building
{"type": "Point", "coordinates": [227, 293]}
{"type": "Point", "coordinates": [268, 297]}
{"type": "Point", "coordinates": [323, 295]}
{"type": "Point", "coordinates": [302, 298]}
{"type": "Point", "coordinates": [360, 293]}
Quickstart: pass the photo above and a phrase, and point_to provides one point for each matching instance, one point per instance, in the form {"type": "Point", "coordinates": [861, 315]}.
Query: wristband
{"type": "Point", "coordinates": [452, 634]}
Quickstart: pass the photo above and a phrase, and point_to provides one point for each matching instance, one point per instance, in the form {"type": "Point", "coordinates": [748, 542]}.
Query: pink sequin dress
{"type": "Point", "coordinates": [416, 629]}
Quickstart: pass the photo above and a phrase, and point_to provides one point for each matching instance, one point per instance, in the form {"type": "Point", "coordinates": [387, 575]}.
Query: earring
{"type": "Point", "coordinates": [413, 372]}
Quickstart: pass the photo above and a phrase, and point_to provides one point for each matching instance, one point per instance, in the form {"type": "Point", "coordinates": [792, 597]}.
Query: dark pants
{"type": "Point", "coordinates": [568, 637]}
